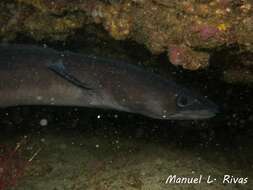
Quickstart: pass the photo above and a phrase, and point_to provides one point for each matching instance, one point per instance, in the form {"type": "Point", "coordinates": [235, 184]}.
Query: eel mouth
{"type": "Point", "coordinates": [194, 114]}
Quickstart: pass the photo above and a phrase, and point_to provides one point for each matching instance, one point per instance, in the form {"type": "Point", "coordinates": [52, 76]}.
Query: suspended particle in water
{"type": "Point", "coordinates": [52, 100]}
{"type": "Point", "coordinates": [39, 98]}
{"type": "Point", "coordinates": [43, 122]}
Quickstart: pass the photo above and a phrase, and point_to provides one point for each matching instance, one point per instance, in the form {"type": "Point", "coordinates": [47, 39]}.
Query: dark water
{"type": "Point", "coordinates": [143, 151]}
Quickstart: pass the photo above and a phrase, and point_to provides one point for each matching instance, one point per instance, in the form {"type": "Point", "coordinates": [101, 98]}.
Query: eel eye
{"type": "Point", "coordinates": [183, 101]}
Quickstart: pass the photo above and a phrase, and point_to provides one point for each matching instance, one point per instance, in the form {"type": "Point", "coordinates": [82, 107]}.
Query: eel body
{"type": "Point", "coordinates": [31, 75]}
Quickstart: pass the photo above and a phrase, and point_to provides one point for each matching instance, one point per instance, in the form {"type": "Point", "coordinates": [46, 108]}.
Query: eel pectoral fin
{"type": "Point", "coordinates": [60, 69]}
